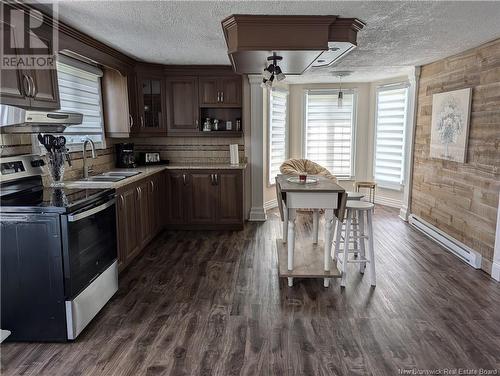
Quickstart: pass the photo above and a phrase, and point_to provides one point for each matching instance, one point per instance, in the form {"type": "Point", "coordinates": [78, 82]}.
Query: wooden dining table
{"type": "Point", "coordinates": [304, 259]}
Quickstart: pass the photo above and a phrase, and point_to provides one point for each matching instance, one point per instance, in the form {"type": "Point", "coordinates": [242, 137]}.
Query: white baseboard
{"type": "Point", "coordinates": [386, 201]}
{"type": "Point", "coordinates": [463, 252]}
{"type": "Point", "coordinates": [257, 214]}
{"type": "Point", "coordinates": [403, 213]}
{"type": "Point", "coordinates": [495, 271]}
{"type": "Point", "coordinates": [271, 204]}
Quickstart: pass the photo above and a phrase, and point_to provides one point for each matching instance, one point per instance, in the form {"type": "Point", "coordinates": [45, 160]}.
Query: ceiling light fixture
{"type": "Point", "coordinates": [340, 97]}
{"type": "Point", "coordinates": [271, 72]}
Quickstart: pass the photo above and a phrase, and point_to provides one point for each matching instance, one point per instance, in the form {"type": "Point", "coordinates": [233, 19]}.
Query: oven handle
{"type": "Point", "coordinates": [88, 213]}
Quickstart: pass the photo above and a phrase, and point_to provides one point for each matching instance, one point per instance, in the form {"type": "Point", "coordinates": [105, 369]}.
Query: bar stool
{"type": "Point", "coordinates": [356, 209]}
{"type": "Point", "coordinates": [369, 185]}
{"type": "Point", "coordinates": [351, 195]}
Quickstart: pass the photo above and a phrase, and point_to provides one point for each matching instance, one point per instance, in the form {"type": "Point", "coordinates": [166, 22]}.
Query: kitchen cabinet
{"type": "Point", "coordinates": [205, 199]}
{"type": "Point", "coordinates": [139, 216]}
{"type": "Point", "coordinates": [230, 191]}
{"type": "Point", "coordinates": [29, 88]}
{"type": "Point", "coordinates": [118, 120]}
{"type": "Point", "coordinates": [144, 211]}
{"type": "Point", "coordinates": [222, 91]}
{"type": "Point", "coordinates": [127, 221]}
{"type": "Point", "coordinates": [202, 198]}
{"type": "Point", "coordinates": [176, 185]}
{"type": "Point", "coordinates": [151, 106]}
{"type": "Point", "coordinates": [182, 108]}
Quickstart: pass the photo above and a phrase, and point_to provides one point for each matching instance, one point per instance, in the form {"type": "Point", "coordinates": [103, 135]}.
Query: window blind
{"type": "Point", "coordinates": [277, 138]}
{"type": "Point", "coordinates": [80, 91]}
{"type": "Point", "coordinates": [329, 130]}
{"type": "Point", "coordinates": [391, 119]}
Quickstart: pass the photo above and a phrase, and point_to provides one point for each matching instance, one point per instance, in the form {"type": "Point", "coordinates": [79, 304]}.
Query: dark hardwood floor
{"type": "Point", "coordinates": [211, 303]}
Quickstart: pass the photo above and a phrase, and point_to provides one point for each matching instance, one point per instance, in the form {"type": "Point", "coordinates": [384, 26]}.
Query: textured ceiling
{"type": "Point", "coordinates": [397, 34]}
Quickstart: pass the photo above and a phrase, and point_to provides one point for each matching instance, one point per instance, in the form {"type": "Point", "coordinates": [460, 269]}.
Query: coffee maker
{"type": "Point", "coordinates": [125, 155]}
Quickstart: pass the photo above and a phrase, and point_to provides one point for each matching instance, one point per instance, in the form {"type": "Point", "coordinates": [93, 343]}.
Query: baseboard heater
{"type": "Point", "coordinates": [459, 249]}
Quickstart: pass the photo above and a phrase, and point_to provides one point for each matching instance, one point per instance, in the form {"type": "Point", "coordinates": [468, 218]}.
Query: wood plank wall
{"type": "Point", "coordinates": [462, 199]}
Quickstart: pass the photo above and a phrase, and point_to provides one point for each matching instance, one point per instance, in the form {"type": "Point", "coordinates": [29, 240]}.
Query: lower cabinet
{"type": "Point", "coordinates": [205, 199]}
{"type": "Point", "coordinates": [177, 199]}
{"type": "Point", "coordinates": [139, 216]}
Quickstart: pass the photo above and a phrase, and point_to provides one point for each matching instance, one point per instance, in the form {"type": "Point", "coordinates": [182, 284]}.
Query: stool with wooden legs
{"type": "Point", "coordinates": [349, 236]}
{"type": "Point", "coordinates": [370, 185]}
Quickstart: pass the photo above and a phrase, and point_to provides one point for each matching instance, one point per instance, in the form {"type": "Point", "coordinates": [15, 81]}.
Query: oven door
{"type": "Point", "coordinates": [89, 244]}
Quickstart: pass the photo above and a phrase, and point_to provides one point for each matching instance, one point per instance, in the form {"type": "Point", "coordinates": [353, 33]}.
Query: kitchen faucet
{"type": "Point", "coordinates": [86, 141]}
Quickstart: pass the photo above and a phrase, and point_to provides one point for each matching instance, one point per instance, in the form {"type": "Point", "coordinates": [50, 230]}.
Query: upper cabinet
{"type": "Point", "coordinates": [118, 119]}
{"type": "Point", "coordinates": [182, 94]}
{"type": "Point", "coordinates": [223, 91]}
{"type": "Point", "coordinates": [151, 104]}
{"type": "Point", "coordinates": [34, 88]}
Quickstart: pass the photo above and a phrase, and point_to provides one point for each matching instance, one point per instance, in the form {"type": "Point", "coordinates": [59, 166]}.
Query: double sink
{"type": "Point", "coordinates": [110, 177]}
{"type": "Point", "coordinates": [104, 180]}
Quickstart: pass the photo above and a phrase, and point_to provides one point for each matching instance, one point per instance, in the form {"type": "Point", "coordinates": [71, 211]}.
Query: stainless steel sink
{"type": "Point", "coordinates": [105, 178]}
{"type": "Point", "coordinates": [121, 173]}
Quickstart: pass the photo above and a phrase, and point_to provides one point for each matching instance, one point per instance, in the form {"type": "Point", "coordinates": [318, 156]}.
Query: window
{"type": "Point", "coordinates": [277, 133]}
{"type": "Point", "coordinates": [391, 115]}
{"type": "Point", "coordinates": [80, 91]}
{"type": "Point", "coordinates": [329, 131]}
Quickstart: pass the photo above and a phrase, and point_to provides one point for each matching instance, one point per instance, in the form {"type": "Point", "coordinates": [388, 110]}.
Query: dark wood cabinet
{"type": "Point", "coordinates": [144, 212]}
{"type": "Point", "coordinates": [128, 239]}
{"type": "Point", "coordinates": [45, 93]}
{"type": "Point", "coordinates": [230, 191]}
{"type": "Point", "coordinates": [176, 186]}
{"type": "Point", "coordinates": [202, 198]}
{"type": "Point", "coordinates": [231, 91]}
{"type": "Point", "coordinates": [182, 108]}
{"type": "Point", "coordinates": [29, 88]}
{"type": "Point", "coordinates": [223, 91]}
{"type": "Point", "coordinates": [150, 105]}
{"type": "Point", "coordinates": [209, 91]}
{"type": "Point", "coordinates": [139, 210]}
{"type": "Point", "coordinates": [212, 199]}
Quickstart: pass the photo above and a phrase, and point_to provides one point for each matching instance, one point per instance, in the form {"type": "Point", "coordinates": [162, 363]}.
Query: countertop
{"type": "Point", "coordinates": [146, 171]}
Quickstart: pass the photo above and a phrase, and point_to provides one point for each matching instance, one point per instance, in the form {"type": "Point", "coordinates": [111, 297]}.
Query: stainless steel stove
{"type": "Point", "coordinates": [58, 253]}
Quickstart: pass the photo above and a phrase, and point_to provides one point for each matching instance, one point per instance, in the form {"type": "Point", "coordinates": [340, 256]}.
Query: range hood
{"type": "Point", "coordinates": [18, 120]}
{"type": "Point", "coordinates": [303, 42]}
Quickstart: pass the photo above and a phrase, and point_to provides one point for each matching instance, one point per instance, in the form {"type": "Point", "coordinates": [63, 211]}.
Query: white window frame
{"type": "Point", "coordinates": [381, 183]}
{"type": "Point", "coordinates": [354, 125]}
{"type": "Point", "coordinates": [271, 182]}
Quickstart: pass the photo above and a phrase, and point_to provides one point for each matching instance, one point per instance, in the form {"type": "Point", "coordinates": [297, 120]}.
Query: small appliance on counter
{"type": "Point", "coordinates": [125, 155]}
{"type": "Point", "coordinates": [151, 158]}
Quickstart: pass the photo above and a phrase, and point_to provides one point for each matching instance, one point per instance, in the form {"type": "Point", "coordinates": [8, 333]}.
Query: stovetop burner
{"type": "Point", "coordinates": [30, 195]}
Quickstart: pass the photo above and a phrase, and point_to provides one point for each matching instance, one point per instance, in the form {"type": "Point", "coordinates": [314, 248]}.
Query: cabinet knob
{"type": "Point", "coordinates": [152, 186]}
{"type": "Point", "coordinates": [122, 201]}
{"type": "Point", "coordinates": [216, 179]}
{"type": "Point", "coordinates": [222, 96]}
{"type": "Point", "coordinates": [130, 121]}
{"type": "Point", "coordinates": [142, 121]}
{"type": "Point", "coordinates": [184, 178]}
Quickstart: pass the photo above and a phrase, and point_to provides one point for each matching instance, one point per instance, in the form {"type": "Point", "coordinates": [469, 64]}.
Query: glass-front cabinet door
{"type": "Point", "coordinates": [151, 105]}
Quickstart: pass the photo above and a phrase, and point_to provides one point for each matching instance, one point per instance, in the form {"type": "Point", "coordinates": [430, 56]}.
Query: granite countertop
{"type": "Point", "coordinates": [146, 171]}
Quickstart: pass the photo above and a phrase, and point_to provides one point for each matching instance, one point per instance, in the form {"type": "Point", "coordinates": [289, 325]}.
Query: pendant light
{"type": "Point", "coordinates": [340, 96]}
